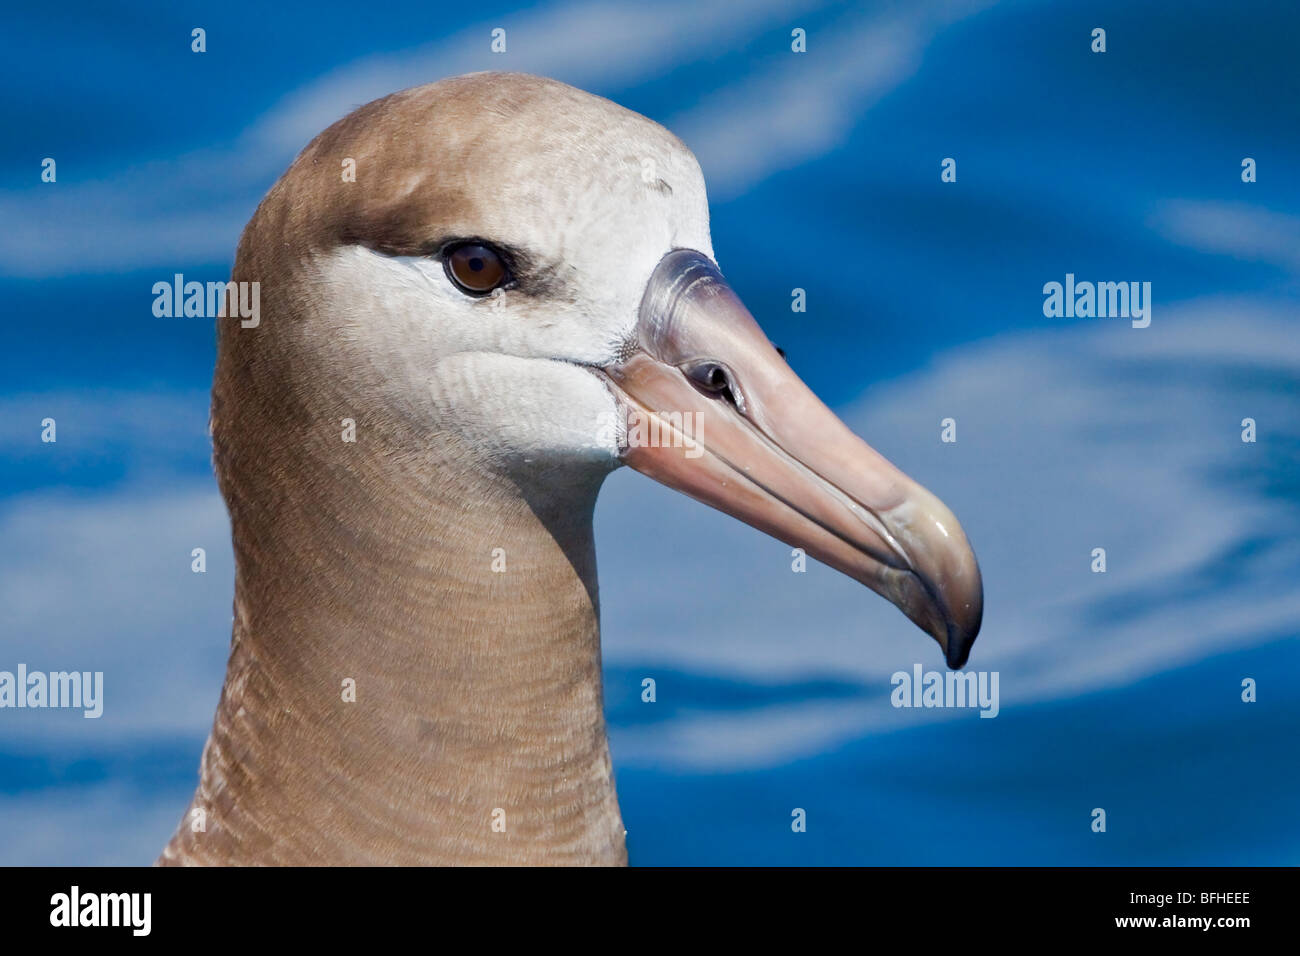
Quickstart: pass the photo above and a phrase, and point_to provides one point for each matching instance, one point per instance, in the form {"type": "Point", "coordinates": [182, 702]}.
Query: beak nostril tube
{"type": "Point", "coordinates": [778, 458]}
{"type": "Point", "coordinates": [711, 377]}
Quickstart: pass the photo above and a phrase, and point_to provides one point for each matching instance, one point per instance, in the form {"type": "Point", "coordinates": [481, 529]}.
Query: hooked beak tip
{"type": "Point", "coordinates": [958, 645]}
{"type": "Point", "coordinates": [763, 448]}
{"type": "Point", "coordinates": [964, 619]}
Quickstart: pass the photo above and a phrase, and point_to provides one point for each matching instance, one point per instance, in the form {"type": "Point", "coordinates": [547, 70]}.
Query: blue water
{"type": "Point", "coordinates": [1187, 774]}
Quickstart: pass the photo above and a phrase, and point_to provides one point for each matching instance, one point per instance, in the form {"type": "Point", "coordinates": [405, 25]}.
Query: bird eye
{"type": "Point", "coordinates": [475, 269]}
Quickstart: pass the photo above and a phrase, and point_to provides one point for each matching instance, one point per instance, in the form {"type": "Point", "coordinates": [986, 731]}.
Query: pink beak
{"type": "Point", "coordinates": [713, 410]}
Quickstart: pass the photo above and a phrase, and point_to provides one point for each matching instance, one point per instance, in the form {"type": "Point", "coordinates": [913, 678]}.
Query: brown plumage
{"type": "Point", "coordinates": [478, 693]}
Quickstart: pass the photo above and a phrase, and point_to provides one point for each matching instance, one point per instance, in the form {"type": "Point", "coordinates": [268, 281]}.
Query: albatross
{"type": "Point", "coordinates": [476, 295]}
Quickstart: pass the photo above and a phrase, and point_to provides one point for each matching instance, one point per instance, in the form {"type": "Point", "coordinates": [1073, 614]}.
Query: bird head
{"type": "Point", "coordinates": [523, 272]}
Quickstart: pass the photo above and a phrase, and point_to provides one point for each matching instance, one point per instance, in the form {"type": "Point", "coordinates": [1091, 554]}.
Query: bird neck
{"type": "Point", "coordinates": [415, 672]}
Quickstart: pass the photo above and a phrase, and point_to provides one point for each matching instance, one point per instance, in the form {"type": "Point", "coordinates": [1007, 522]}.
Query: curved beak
{"type": "Point", "coordinates": [713, 410]}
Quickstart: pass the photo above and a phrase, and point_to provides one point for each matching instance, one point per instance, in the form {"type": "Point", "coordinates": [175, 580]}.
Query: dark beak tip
{"type": "Point", "coordinates": [958, 652]}
{"type": "Point", "coordinates": [960, 640]}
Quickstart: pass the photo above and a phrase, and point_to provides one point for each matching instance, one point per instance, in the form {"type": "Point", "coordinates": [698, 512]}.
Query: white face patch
{"type": "Point", "coordinates": [504, 372]}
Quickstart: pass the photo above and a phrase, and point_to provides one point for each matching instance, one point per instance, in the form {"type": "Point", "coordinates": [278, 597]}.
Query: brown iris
{"type": "Point", "coordinates": [476, 269]}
